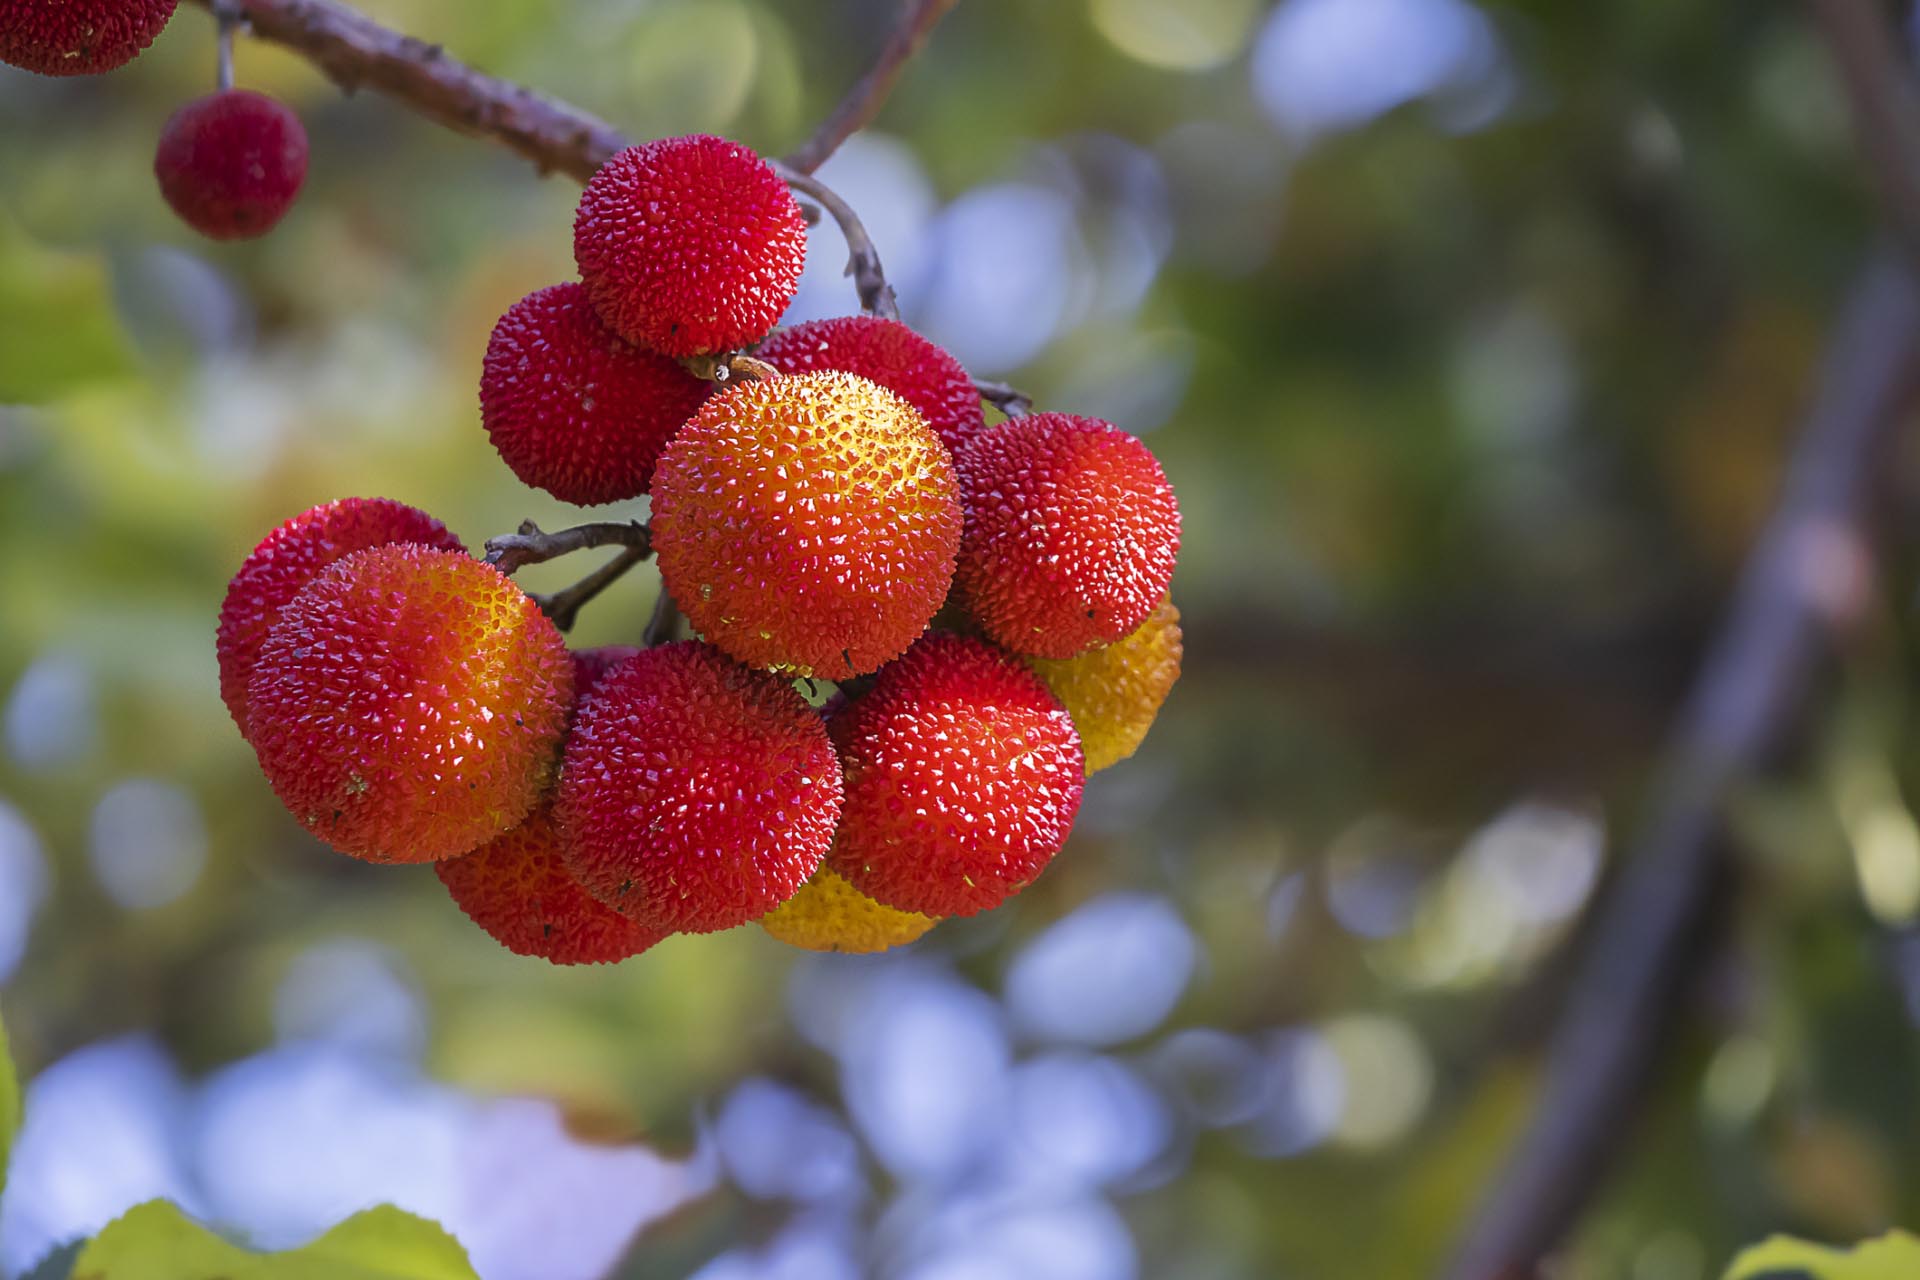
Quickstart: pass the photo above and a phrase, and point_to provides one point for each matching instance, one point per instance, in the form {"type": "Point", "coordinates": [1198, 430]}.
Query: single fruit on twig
{"type": "Point", "coordinates": [828, 914]}
{"type": "Point", "coordinates": [689, 245]}
{"type": "Point", "coordinates": [232, 163]}
{"type": "Point", "coordinates": [807, 524]}
{"type": "Point", "coordinates": [1072, 533]}
{"type": "Point", "coordinates": [409, 704]}
{"type": "Point", "coordinates": [517, 889]}
{"type": "Point", "coordinates": [574, 408]}
{"type": "Point", "coordinates": [287, 560]}
{"type": "Point", "coordinates": [78, 37]}
{"type": "Point", "coordinates": [963, 777]}
{"type": "Point", "coordinates": [889, 353]}
{"type": "Point", "coordinates": [1114, 693]}
{"type": "Point", "coordinates": [696, 795]}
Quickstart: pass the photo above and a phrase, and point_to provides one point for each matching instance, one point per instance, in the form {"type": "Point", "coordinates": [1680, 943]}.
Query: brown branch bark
{"type": "Point", "coordinates": [355, 51]}
{"type": "Point", "coordinates": [533, 545]}
{"type": "Point", "coordinates": [863, 101]}
{"type": "Point", "coordinates": [1804, 578]}
{"type": "Point", "coordinates": [564, 606]}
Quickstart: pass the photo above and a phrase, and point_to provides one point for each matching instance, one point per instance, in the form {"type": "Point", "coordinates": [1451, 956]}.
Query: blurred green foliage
{"type": "Point", "coordinates": [155, 1241]}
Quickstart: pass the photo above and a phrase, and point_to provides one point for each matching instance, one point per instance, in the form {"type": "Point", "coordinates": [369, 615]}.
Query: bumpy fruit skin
{"type": "Point", "coordinates": [696, 794]}
{"type": "Point", "coordinates": [574, 408]}
{"type": "Point", "coordinates": [1113, 694]}
{"type": "Point", "coordinates": [591, 666]}
{"type": "Point", "coordinates": [78, 37]}
{"type": "Point", "coordinates": [689, 245]}
{"type": "Point", "coordinates": [963, 777]}
{"type": "Point", "coordinates": [828, 914]}
{"type": "Point", "coordinates": [894, 356]}
{"type": "Point", "coordinates": [1072, 532]}
{"type": "Point", "coordinates": [232, 163]}
{"type": "Point", "coordinates": [287, 560]}
{"type": "Point", "coordinates": [517, 889]}
{"type": "Point", "coordinates": [409, 704]}
{"type": "Point", "coordinates": [807, 523]}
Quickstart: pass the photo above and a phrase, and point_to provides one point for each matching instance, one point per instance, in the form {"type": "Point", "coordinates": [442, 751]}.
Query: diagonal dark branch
{"type": "Point", "coordinates": [1886, 106]}
{"type": "Point", "coordinates": [1806, 577]}
{"type": "Point", "coordinates": [1008, 400]}
{"type": "Point", "coordinates": [870, 92]}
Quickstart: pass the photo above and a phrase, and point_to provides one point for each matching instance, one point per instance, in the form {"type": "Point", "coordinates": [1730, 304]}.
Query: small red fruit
{"type": "Point", "coordinates": [409, 704]}
{"type": "Point", "coordinates": [689, 245]}
{"type": "Point", "coordinates": [807, 523]}
{"type": "Point", "coordinates": [231, 163]}
{"type": "Point", "coordinates": [287, 560]}
{"type": "Point", "coordinates": [574, 408]}
{"type": "Point", "coordinates": [963, 777]}
{"type": "Point", "coordinates": [1072, 532]}
{"type": "Point", "coordinates": [894, 356]}
{"type": "Point", "coordinates": [517, 889]}
{"type": "Point", "coordinates": [696, 794]}
{"type": "Point", "coordinates": [78, 37]}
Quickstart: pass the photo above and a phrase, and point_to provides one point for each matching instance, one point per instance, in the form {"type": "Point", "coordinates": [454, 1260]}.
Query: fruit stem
{"type": "Point", "coordinates": [1008, 400]}
{"type": "Point", "coordinates": [226, 17]}
{"type": "Point", "coordinates": [665, 619]}
{"type": "Point", "coordinates": [533, 545]}
{"type": "Point", "coordinates": [863, 260]}
{"type": "Point", "coordinates": [564, 606]}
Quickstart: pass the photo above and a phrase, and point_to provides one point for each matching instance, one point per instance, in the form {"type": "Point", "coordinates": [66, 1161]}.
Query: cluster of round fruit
{"type": "Point", "coordinates": [980, 613]}
{"type": "Point", "coordinates": [230, 164]}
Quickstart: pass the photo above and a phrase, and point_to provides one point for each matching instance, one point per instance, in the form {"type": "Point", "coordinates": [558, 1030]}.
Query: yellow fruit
{"type": "Point", "coordinates": [828, 914]}
{"type": "Point", "coordinates": [1113, 694]}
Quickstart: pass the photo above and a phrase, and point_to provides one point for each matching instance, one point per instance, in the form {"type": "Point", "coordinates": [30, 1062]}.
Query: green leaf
{"type": "Point", "coordinates": [9, 1103]}
{"type": "Point", "coordinates": [1894, 1256]}
{"type": "Point", "coordinates": [155, 1241]}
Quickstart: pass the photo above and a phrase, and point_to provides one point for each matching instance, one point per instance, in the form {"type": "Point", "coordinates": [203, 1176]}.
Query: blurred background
{"type": "Point", "coordinates": [1473, 334]}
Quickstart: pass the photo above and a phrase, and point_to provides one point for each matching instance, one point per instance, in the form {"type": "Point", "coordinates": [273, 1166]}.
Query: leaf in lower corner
{"type": "Point", "coordinates": [1894, 1256]}
{"type": "Point", "coordinates": [9, 1103]}
{"type": "Point", "coordinates": [156, 1241]}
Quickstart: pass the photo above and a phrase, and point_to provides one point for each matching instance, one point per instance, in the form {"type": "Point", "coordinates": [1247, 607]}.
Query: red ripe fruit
{"type": "Point", "coordinates": [409, 704]}
{"type": "Point", "coordinates": [231, 163]}
{"type": "Point", "coordinates": [287, 560]}
{"type": "Point", "coordinates": [696, 794]}
{"type": "Point", "coordinates": [591, 666]}
{"type": "Point", "coordinates": [807, 523]}
{"type": "Point", "coordinates": [963, 777]}
{"type": "Point", "coordinates": [894, 356]}
{"type": "Point", "coordinates": [689, 245]}
{"type": "Point", "coordinates": [517, 889]}
{"type": "Point", "coordinates": [574, 408]}
{"type": "Point", "coordinates": [1072, 532]}
{"type": "Point", "coordinates": [78, 37]}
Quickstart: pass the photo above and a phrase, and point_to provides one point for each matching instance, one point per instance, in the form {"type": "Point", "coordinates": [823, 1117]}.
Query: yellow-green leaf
{"type": "Point", "coordinates": [1894, 1256]}
{"type": "Point", "coordinates": [155, 1241]}
{"type": "Point", "coordinates": [9, 1103]}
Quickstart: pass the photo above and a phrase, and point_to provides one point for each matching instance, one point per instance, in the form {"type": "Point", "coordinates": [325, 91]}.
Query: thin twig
{"type": "Point", "coordinates": [864, 100]}
{"type": "Point", "coordinates": [1806, 578]}
{"type": "Point", "coordinates": [226, 15]}
{"type": "Point", "coordinates": [665, 619]}
{"type": "Point", "coordinates": [1008, 400]}
{"type": "Point", "coordinates": [1886, 106]}
{"type": "Point", "coordinates": [355, 51]}
{"type": "Point", "coordinates": [863, 260]}
{"type": "Point", "coordinates": [564, 606]}
{"type": "Point", "coordinates": [533, 545]}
